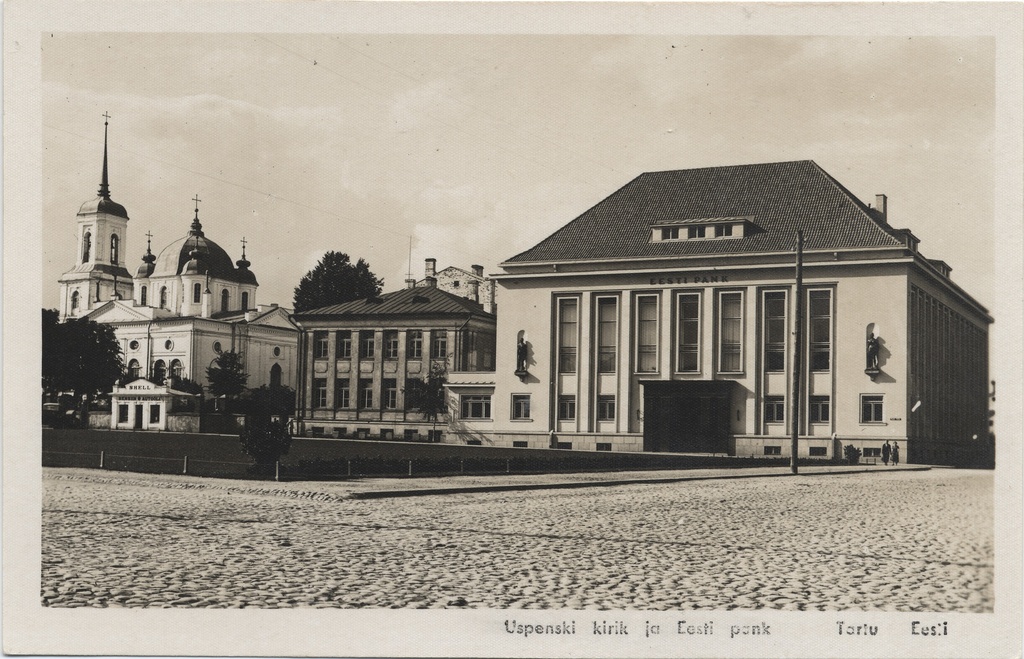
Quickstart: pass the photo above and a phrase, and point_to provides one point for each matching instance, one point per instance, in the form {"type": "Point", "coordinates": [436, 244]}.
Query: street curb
{"type": "Point", "coordinates": [566, 485]}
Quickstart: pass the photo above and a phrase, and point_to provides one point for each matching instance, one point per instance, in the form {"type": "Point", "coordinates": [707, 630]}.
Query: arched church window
{"type": "Point", "coordinates": [163, 297]}
{"type": "Point", "coordinates": [114, 242]}
{"type": "Point", "coordinates": [176, 369]}
{"type": "Point", "coordinates": [224, 300]}
{"type": "Point", "coordinates": [134, 369]}
{"type": "Point", "coordinates": [245, 301]}
{"type": "Point", "coordinates": [159, 371]}
{"type": "Point", "coordinates": [142, 296]}
{"type": "Point", "coordinates": [197, 292]}
{"type": "Point", "coordinates": [275, 375]}
{"type": "Point", "coordinates": [86, 246]}
{"type": "Point", "coordinates": [74, 301]}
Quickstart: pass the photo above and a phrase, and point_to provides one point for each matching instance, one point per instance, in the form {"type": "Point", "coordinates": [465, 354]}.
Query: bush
{"type": "Point", "coordinates": [265, 440]}
{"type": "Point", "coordinates": [852, 454]}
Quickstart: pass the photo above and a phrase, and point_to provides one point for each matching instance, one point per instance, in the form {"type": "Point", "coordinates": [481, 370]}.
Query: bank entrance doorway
{"type": "Point", "coordinates": [682, 416]}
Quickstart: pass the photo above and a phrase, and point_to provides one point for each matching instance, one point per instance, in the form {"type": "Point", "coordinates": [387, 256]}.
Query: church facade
{"type": "Point", "coordinates": [183, 307]}
{"type": "Point", "coordinates": [663, 319]}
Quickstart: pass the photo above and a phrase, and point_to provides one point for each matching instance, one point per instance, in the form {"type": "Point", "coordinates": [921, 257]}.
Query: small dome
{"type": "Point", "coordinates": [103, 205]}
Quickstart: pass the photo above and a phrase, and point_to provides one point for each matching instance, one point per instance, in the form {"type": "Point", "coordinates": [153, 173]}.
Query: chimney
{"type": "Point", "coordinates": [430, 267]}
{"type": "Point", "coordinates": [490, 307]}
{"type": "Point", "coordinates": [430, 281]}
{"type": "Point", "coordinates": [410, 283]}
{"type": "Point", "coordinates": [478, 270]}
{"type": "Point", "coordinates": [881, 204]}
{"type": "Point", "coordinates": [474, 290]}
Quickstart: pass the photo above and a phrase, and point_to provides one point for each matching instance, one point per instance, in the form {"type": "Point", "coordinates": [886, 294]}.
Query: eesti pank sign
{"type": "Point", "coordinates": [699, 278]}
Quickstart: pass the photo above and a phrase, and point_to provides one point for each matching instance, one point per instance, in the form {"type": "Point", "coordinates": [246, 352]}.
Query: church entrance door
{"type": "Point", "coordinates": [683, 416]}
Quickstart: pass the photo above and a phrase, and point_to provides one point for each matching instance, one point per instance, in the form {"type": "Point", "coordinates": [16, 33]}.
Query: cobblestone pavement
{"type": "Point", "coordinates": [908, 541]}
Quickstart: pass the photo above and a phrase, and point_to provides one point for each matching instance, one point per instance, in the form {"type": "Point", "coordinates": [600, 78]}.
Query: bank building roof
{"type": "Point", "coordinates": [756, 208]}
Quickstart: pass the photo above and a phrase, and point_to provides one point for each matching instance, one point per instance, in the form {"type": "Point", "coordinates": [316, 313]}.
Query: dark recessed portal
{"type": "Point", "coordinates": [687, 416]}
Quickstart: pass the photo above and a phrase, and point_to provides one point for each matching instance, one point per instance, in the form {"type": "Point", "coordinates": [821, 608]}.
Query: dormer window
{"type": "Point", "coordinates": [701, 229]}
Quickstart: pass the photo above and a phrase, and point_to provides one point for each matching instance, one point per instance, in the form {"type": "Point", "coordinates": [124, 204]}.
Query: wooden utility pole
{"type": "Point", "coordinates": [798, 335]}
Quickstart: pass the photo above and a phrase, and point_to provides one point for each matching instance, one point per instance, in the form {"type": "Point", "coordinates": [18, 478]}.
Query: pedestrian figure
{"type": "Point", "coordinates": [895, 454]}
{"type": "Point", "coordinates": [886, 452]}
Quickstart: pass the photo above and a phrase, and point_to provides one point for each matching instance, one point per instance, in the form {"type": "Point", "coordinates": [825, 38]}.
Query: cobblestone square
{"type": "Point", "coordinates": [897, 541]}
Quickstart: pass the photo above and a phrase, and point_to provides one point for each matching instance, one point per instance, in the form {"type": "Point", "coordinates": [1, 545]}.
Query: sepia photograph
{"type": "Point", "coordinates": [510, 329]}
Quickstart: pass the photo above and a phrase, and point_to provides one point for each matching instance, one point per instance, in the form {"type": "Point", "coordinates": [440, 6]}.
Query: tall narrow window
{"type": "Point", "coordinates": [688, 357]}
{"type": "Point", "coordinates": [391, 344]}
{"type": "Point", "coordinates": [319, 392]}
{"type": "Point", "coordinates": [730, 329]}
{"type": "Point", "coordinates": [871, 408]}
{"type": "Point", "coordinates": [342, 397]}
{"type": "Point", "coordinates": [134, 370]}
{"type": "Point", "coordinates": [775, 331]}
{"type": "Point", "coordinates": [86, 247]}
{"type": "Point", "coordinates": [115, 243]}
{"type": "Point", "coordinates": [159, 371]}
{"type": "Point", "coordinates": [820, 336]}
{"type": "Point", "coordinates": [142, 296]}
{"type": "Point", "coordinates": [647, 334]}
{"type": "Point", "coordinates": [820, 409]}
{"type": "Point", "coordinates": [391, 394]}
{"type": "Point", "coordinates": [275, 375]}
{"type": "Point", "coordinates": [245, 301]}
{"type": "Point", "coordinates": [438, 344]}
{"type": "Point", "coordinates": [319, 344]}
{"type": "Point", "coordinates": [365, 393]}
{"type": "Point", "coordinates": [414, 349]}
{"type": "Point", "coordinates": [366, 345]}
{"type": "Point", "coordinates": [344, 344]}
{"type": "Point", "coordinates": [607, 339]}
{"type": "Point", "coordinates": [224, 300]}
{"type": "Point", "coordinates": [163, 297]}
{"type": "Point", "coordinates": [197, 292]}
{"type": "Point", "coordinates": [176, 368]}
{"type": "Point", "coordinates": [568, 324]}
{"type": "Point", "coordinates": [74, 300]}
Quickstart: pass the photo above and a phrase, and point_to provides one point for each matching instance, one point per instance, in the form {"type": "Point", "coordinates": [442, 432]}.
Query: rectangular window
{"type": "Point", "coordinates": [670, 233]}
{"type": "Point", "coordinates": [390, 394]}
{"type": "Point", "coordinates": [820, 409]}
{"type": "Point", "coordinates": [320, 392]}
{"type": "Point", "coordinates": [568, 328]}
{"type": "Point", "coordinates": [773, 450]}
{"type": "Point", "coordinates": [319, 345]}
{"type": "Point", "coordinates": [365, 394]}
{"type": "Point", "coordinates": [875, 452]}
{"type": "Point", "coordinates": [819, 340]}
{"type": "Point", "coordinates": [476, 407]}
{"type": "Point", "coordinates": [871, 408]}
{"type": "Point", "coordinates": [606, 408]}
{"type": "Point", "coordinates": [722, 230]}
{"type": "Point", "coordinates": [818, 451]}
{"type": "Point", "coordinates": [647, 334]}
{"type": "Point", "coordinates": [774, 409]}
{"type": "Point", "coordinates": [520, 444]}
{"type": "Point", "coordinates": [439, 344]}
{"type": "Point", "coordinates": [342, 394]}
{"type": "Point", "coordinates": [688, 356]}
{"type": "Point", "coordinates": [775, 331]}
{"type": "Point", "coordinates": [604, 446]}
{"type": "Point", "coordinates": [696, 232]}
{"type": "Point", "coordinates": [607, 334]}
{"type": "Point", "coordinates": [366, 344]}
{"type": "Point", "coordinates": [567, 408]}
{"type": "Point", "coordinates": [122, 414]}
{"type": "Point", "coordinates": [344, 344]}
{"type": "Point", "coordinates": [391, 344]}
{"type": "Point", "coordinates": [415, 344]}
{"type": "Point", "coordinates": [730, 332]}
{"type": "Point", "coordinates": [520, 406]}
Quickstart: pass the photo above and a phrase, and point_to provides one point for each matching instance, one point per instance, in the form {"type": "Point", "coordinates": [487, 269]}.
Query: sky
{"type": "Point", "coordinates": [471, 149]}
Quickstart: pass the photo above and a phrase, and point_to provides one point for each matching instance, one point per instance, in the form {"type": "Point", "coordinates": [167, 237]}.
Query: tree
{"type": "Point", "coordinates": [79, 355]}
{"type": "Point", "coordinates": [273, 401]}
{"type": "Point", "coordinates": [227, 376]}
{"type": "Point", "coordinates": [264, 440]}
{"type": "Point", "coordinates": [428, 397]}
{"type": "Point", "coordinates": [335, 280]}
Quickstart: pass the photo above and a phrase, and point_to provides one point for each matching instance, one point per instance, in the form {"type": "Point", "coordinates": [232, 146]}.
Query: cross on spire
{"type": "Point", "coordinates": [197, 228]}
{"type": "Point", "coordinates": [106, 115]}
{"type": "Point", "coordinates": [197, 200]}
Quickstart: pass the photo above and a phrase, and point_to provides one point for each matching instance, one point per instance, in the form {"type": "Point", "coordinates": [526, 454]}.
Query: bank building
{"type": "Point", "coordinates": [182, 307]}
{"type": "Point", "coordinates": [662, 319]}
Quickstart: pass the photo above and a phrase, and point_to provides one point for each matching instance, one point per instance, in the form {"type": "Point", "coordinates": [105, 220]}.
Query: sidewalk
{"type": "Point", "coordinates": [384, 488]}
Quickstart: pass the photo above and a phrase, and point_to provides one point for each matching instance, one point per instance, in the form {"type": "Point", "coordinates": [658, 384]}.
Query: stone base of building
{"type": "Point", "coordinates": [364, 429]}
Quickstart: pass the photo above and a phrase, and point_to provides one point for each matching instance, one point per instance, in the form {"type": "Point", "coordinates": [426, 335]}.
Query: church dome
{"type": "Point", "coordinates": [103, 205]}
{"type": "Point", "coordinates": [196, 254]}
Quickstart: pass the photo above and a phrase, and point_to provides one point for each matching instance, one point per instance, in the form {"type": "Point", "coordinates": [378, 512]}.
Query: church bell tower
{"type": "Point", "coordinates": [99, 274]}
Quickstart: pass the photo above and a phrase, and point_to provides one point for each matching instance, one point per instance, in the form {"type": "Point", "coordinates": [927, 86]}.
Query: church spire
{"type": "Point", "coordinates": [197, 228]}
{"type": "Point", "coordinates": [104, 190]}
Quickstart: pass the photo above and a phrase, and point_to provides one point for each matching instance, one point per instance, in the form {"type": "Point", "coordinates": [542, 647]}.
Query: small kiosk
{"type": "Point", "coordinates": [143, 405]}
